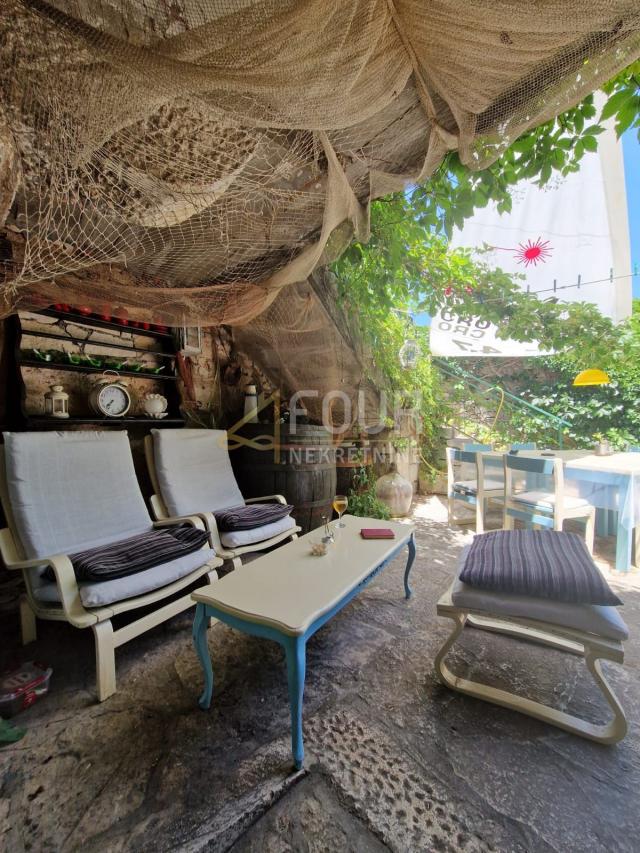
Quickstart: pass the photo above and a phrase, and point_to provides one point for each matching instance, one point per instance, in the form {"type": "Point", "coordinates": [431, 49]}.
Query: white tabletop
{"type": "Point", "coordinates": [615, 463]}
{"type": "Point", "coordinates": [288, 588]}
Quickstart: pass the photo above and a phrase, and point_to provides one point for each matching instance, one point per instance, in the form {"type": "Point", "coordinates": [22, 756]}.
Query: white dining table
{"type": "Point", "coordinates": [610, 483]}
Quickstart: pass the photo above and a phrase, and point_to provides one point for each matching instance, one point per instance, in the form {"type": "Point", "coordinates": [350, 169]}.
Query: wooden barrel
{"type": "Point", "coordinates": [301, 466]}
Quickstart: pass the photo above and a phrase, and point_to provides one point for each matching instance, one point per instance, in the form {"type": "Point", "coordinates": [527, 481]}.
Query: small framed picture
{"type": "Point", "coordinates": [190, 340]}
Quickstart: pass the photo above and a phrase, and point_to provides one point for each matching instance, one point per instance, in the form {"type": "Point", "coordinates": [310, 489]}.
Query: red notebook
{"type": "Point", "coordinates": [377, 533]}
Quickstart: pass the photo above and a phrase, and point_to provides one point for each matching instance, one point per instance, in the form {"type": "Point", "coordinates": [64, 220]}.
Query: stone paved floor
{"type": "Point", "coordinates": [394, 760]}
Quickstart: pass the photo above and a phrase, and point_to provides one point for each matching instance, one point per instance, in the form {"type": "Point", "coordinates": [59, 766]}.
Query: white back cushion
{"type": "Point", "coordinates": [72, 490]}
{"type": "Point", "coordinates": [194, 470]}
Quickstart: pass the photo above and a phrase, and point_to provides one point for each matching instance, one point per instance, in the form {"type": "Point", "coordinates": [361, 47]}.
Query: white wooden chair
{"type": "Point", "coordinates": [475, 492]}
{"type": "Point", "coordinates": [191, 474]}
{"type": "Point", "coordinates": [70, 491]}
{"type": "Point", "coordinates": [546, 507]}
{"type": "Point", "coordinates": [594, 632]}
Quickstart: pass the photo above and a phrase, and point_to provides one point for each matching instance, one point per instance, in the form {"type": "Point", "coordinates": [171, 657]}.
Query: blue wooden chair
{"type": "Point", "coordinates": [495, 463]}
{"type": "Point", "coordinates": [532, 481]}
{"type": "Point", "coordinates": [474, 492]}
{"type": "Point", "coordinates": [547, 507]}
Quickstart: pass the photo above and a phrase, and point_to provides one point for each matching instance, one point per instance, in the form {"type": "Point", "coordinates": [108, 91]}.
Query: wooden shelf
{"type": "Point", "coordinates": [27, 368]}
{"type": "Point", "coordinates": [51, 336]}
{"type": "Point", "coordinates": [127, 421]}
{"type": "Point", "coordinates": [85, 368]}
{"type": "Point", "coordinates": [92, 320]}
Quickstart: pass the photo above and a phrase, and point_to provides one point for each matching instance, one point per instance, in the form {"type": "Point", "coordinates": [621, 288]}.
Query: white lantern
{"type": "Point", "coordinates": [409, 354]}
{"type": "Point", "coordinates": [56, 402]}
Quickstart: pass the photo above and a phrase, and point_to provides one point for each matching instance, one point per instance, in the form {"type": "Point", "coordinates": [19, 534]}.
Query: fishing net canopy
{"type": "Point", "coordinates": [192, 158]}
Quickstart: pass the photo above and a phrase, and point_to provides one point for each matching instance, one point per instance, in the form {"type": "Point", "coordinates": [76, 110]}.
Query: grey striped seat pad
{"type": "Point", "coordinates": [250, 516]}
{"type": "Point", "coordinates": [135, 554]}
{"type": "Point", "coordinates": [536, 563]}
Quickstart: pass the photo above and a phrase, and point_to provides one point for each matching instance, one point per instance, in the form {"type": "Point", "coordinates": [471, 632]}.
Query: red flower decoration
{"type": "Point", "coordinates": [533, 253]}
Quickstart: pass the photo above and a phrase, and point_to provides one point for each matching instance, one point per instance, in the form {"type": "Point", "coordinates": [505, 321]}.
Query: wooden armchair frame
{"type": "Point", "coordinates": [71, 609]}
{"type": "Point", "coordinates": [159, 511]}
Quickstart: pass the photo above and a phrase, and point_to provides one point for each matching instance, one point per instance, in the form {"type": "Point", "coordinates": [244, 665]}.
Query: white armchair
{"type": "Point", "coordinates": [66, 492]}
{"type": "Point", "coordinates": [191, 474]}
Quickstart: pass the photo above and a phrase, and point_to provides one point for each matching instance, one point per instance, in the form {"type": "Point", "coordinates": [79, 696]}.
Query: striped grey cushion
{"type": "Point", "coordinates": [135, 554]}
{"type": "Point", "coordinates": [536, 563]}
{"type": "Point", "coordinates": [250, 516]}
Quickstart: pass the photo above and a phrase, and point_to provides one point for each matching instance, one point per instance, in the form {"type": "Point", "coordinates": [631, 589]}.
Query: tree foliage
{"type": "Point", "coordinates": [609, 410]}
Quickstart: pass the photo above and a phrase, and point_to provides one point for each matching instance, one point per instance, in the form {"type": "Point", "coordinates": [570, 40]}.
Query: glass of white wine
{"type": "Point", "coordinates": [340, 504]}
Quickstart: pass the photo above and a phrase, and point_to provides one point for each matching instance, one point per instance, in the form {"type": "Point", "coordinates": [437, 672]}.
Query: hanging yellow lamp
{"type": "Point", "coordinates": [592, 376]}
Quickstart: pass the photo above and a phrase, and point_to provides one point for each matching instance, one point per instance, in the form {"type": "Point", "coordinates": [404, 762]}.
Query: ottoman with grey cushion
{"type": "Point", "coordinates": [595, 632]}
{"type": "Point", "coordinates": [67, 492]}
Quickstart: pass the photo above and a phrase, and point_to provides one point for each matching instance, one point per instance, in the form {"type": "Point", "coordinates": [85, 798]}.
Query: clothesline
{"type": "Point", "coordinates": [557, 287]}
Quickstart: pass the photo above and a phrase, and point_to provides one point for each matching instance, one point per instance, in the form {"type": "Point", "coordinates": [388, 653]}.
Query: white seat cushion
{"type": "Point", "coordinates": [602, 620]}
{"type": "Point", "coordinates": [194, 470]}
{"type": "Point", "coordinates": [466, 486]}
{"type": "Point", "coordinates": [239, 538]}
{"type": "Point", "coordinates": [548, 499]}
{"type": "Point", "coordinates": [110, 592]}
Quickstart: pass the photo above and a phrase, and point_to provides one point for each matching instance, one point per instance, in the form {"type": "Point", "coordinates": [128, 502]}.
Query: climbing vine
{"type": "Point", "coordinates": [407, 266]}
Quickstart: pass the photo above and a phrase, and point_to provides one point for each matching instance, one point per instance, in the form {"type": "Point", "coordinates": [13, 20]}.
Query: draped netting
{"type": "Point", "coordinates": [307, 344]}
{"type": "Point", "coordinates": [192, 158]}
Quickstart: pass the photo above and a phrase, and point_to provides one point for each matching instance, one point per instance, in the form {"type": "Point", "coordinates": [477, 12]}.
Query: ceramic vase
{"type": "Point", "coordinates": [396, 492]}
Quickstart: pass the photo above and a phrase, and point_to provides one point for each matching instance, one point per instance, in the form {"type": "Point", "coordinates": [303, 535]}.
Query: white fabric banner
{"type": "Point", "coordinates": [574, 230]}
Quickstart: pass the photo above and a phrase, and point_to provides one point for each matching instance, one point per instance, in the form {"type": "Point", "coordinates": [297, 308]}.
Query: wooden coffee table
{"type": "Point", "coordinates": [288, 594]}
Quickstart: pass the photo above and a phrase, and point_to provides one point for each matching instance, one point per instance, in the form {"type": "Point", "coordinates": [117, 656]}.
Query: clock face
{"type": "Point", "coordinates": [113, 400]}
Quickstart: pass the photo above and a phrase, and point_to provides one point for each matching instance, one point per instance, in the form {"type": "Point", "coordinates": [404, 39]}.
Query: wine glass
{"type": "Point", "coordinates": [340, 503]}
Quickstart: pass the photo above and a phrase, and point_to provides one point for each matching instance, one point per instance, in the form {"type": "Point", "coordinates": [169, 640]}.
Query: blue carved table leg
{"type": "Point", "coordinates": [200, 625]}
{"type": "Point", "coordinates": [412, 555]}
{"type": "Point", "coordinates": [296, 650]}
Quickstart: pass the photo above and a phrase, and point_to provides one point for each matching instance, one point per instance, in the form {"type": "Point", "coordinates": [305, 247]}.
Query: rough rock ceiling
{"type": "Point", "coordinates": [212, 147]}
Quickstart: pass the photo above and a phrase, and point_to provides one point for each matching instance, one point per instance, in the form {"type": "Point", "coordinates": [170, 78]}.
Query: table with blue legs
{"type": "Point", "coordinates": [610, 483]}
{"type": "Point", "coordinates": [288, 594]}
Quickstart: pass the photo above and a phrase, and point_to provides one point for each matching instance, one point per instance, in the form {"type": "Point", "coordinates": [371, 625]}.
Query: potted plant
{"type": "Point", "coordinates": [602, 447]}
